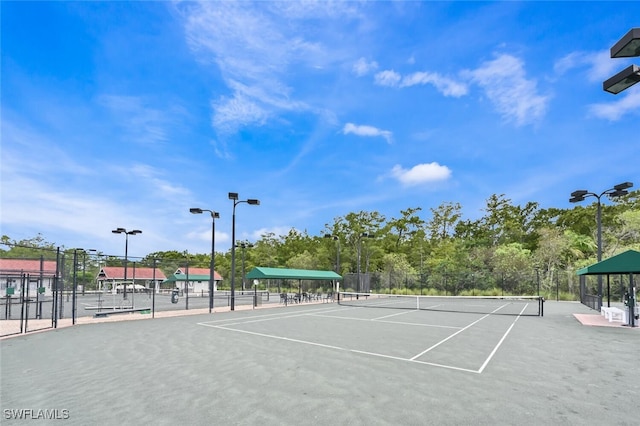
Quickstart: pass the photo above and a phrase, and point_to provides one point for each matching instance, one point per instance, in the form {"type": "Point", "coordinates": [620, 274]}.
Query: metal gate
{"type": "Point", "coordinates": [29, 310]}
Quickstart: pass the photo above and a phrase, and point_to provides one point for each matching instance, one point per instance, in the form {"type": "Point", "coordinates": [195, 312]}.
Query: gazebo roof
{"type": "Point", "coordinates": [293, 274]}
{"type": "Point", "coordinates": [627, 262]}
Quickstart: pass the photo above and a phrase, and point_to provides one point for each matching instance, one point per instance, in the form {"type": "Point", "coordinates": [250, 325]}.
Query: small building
{"type": "Point", "coordinates": [195, 279]}
{"type": "Point", "coordinates": [111, 279]}
{"type": "Point", "coordinates": [39, 273]}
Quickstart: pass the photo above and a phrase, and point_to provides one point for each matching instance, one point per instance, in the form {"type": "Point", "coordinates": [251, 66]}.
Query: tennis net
{"type": "Point", "coordinates": [495, 305]}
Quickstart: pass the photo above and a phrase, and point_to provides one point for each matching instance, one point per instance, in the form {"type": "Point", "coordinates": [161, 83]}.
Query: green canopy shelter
{"type": "Point", "coordinates": [627, 262]}
{"type": "Point", "coordinates": [262, 273]}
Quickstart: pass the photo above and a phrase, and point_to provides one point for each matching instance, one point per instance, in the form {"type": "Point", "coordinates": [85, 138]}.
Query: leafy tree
{"type": "Point", "coordinates": [444, 220]}
{"type": "Point", "coordinates": [32, 248]}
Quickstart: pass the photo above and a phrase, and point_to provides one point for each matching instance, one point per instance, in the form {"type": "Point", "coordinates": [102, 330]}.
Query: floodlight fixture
{"type": "Point", "coordinates": [623, 80]}
{"type": "Point", "coordinates": [579, 193]}
{"type": "Point", "coordinates": [628, 46]}
{"type": "Point", "coordinates": [624, 185]}
{"type": "Point", "coordinates": [576, 199]}
{"type": "Point", "coordinates": [619, 193]}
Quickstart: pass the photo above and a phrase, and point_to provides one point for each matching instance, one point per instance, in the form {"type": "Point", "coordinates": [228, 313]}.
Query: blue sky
{"type": "Point", "coordinates": [126, 114]}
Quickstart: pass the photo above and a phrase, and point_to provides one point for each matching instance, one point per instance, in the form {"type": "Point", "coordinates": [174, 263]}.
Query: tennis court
{"type": "Point", "coordinates": [464, 342]}
{"type": "Point", "coordinates": [330, 364]}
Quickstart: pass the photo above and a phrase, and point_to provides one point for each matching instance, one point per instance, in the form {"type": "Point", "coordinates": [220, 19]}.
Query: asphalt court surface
{"type": "Point", "coordinates": [326, 364]}
{"type": "Point", "coordinates": [462, 341]}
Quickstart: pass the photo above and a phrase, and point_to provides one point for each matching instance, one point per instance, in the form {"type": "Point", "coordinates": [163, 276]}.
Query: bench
{"type": "Point", "coordinates": [103, 314]}
{"type": "Point", "coordinates": [614, 314]}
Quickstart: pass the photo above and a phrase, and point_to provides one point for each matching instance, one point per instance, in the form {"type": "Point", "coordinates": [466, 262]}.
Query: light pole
{"type": "Point", "coordinates": [126, 249]}
{"type": "Point", "coordinates": [214, 216]}
{"type": "Point", "coordinates": [337, 240]}
{"type": "Point", "coordinates": [243, 245]}
{"type": "Point", "coordinates": [84, 267]}
{"type": "Point", "coordinates": [362, 235]}
{"type": "Point", "coordinates": [580, 195]}
{"type": "Point", "coordinates": [254, 202]}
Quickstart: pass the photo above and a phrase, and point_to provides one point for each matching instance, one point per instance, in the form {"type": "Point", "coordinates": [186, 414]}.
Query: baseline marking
{"type": "Point", "coordinates": [306, 342]}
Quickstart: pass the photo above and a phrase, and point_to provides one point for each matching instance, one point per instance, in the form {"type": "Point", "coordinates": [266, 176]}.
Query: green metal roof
{"type": "Point", "coordinates": [293, 274]}
{"type": "Point", "coordinates": [627, 262]}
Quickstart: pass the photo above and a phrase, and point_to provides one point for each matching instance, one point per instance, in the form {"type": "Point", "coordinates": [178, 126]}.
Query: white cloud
{"type": "Point", "coordinates": [254, 54]}
{"type": "Point", "coordinates": [277, 231]}
{"type": "Point", "coordinates": [141, 123]}
{"type": "Point", "coordinates": [368, 131]}
{"type": "Point", "coordinates": [444, 85]}
{"type": "Point", "coordinates": [597, 66]}
{"type": "Point", "coordinates": [421, 173]}
{"type": "Point", "coordinates": [362, 67]}
{"type": "Point", "coordinates": [231, 113]}
{"type": "Point", "coordinates": [388, 78]}
{"type": "Point", "coordinates": [614, 111]}
{"type": "Point", "coordinates": [505, 84]}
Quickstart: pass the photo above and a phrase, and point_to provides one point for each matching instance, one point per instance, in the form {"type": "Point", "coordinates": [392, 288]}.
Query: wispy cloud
{"type": "Point", "coordinates": [363, 67]}
{"type": "Point", "coordinates": [253, 53]}
{"type": "Point", "coordinates": [367, 131]}
{"type": "Point", "coordinates": [421, 173]}
{"type": "Point", "coordinates": [388, 78]}
{"type": "Point", "coordinates": [613, 111]}
{"type": "Point", "coordinates": [596, 66]}
{"type": "Point", "coordinates": [444, 85]}
{"type": "Point", "coordinates": [505, 83]}
{"type": "Point", "coordinates": [141, 123]}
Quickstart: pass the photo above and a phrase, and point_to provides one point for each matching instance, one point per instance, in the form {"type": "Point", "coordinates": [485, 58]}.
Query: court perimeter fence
{"type": "Point", "coordinates": [66, 284]}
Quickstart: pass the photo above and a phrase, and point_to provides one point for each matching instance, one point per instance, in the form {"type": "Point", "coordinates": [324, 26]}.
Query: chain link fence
{"type": "Point", "coordinates": [554, 285]}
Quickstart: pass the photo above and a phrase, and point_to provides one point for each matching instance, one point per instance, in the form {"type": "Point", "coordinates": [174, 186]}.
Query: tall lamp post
{"type": "Point", "coordinates": [254, 202]}
{"type": "Point", "coordinates": [362, 235]}
{"type": "Point", "coordinates": [580, 195]}
{"type": "Point", "coordinates": [243, 245]}
{"type": "Point", "coordinates": [214, 216]}
{"type": "Point", "coordinates": [337, 240]}
{"type": "Point", "coordinates": [84, 267]}
{"type": "Point", "coordinates": [126, 250]}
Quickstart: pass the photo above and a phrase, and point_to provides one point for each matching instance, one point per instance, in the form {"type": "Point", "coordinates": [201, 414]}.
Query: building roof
{"type": "Point", "coordinates": [141, 273]}
{"type": "Point", "coordinates": [28, 266]}
{"type": "Point", "coordinates": [627, 262]}
{"type": "Point", "coordinates": [294, 274]}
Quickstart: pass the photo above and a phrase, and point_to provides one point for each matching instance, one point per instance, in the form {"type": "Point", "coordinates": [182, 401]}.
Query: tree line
{"type": "Point", "coordinates": [507, 239]}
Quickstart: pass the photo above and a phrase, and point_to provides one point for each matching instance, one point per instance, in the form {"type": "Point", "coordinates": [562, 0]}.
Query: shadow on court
{"type": "Point", "coordinates": [326, 364]}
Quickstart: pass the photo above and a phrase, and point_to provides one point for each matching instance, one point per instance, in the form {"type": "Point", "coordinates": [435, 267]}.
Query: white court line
{"type": "Point", "coordinates": [450, 367]}
{"type": "Point", "coordinates": [283, 315]}
{"type": "Point", "coordinates": [394, 315]}
{"type": "Point", "coordinates": [493, 352]}
{"type": "Point", "coordinates": [385, 322]}
{"type": "Point", "coordinates": [266, 317]}
{"type": "Point", "coordinates": [456, 333]}
{"type": "Point", "coordinates": [306, 342]}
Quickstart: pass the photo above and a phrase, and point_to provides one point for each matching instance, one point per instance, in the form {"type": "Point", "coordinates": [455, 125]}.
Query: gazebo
{"type": "Point", "coordinates": [262, 273]}
{"type": "Point", "coordinates": [624, 263]}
